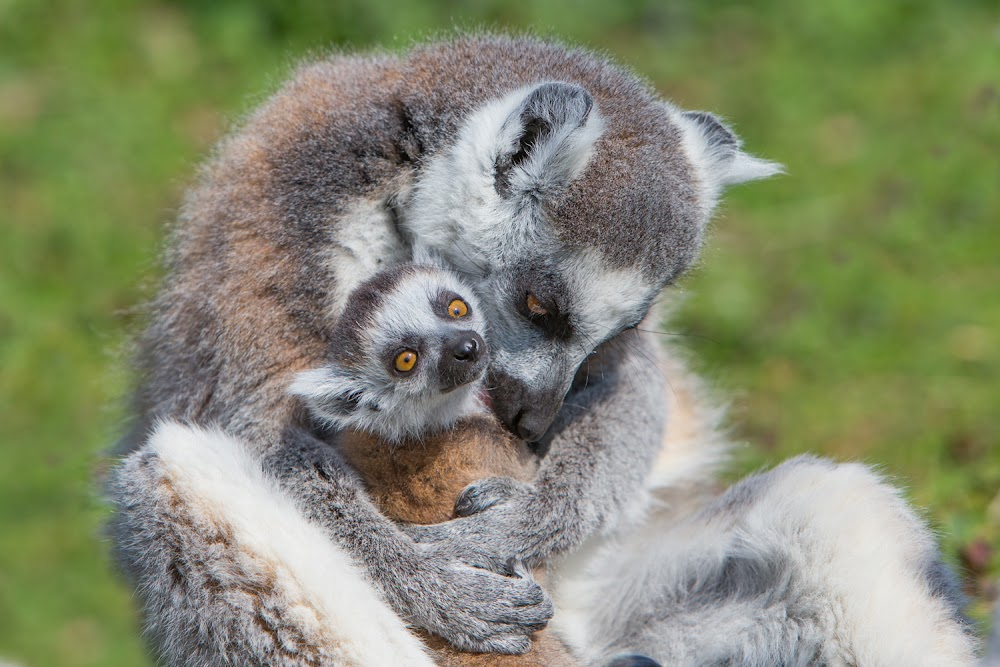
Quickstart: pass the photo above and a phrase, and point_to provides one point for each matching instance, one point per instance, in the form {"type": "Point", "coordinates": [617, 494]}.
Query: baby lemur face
{"type": "Point", "coordinates": [411, 358]}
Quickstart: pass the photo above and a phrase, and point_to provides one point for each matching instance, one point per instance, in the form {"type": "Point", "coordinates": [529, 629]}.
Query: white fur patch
{"type": "Point", "coordinates": [851, 557]}
{"type": "Point", "coordinates": [215, 474]}
{"type": "Point", "coordinates": [603, 295]}
{"type": "Point", "coordinates": [365, 241]}
{"type": "Point", "coordinates": [869, 551]}
{"type": "Point", "coordinates": [716, 167]}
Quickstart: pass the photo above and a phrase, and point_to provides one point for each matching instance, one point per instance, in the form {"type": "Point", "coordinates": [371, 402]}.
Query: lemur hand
{"type": "Point", "coordinates": [500, 520]}
{"type": "Point", "coordinates": [473, 609]}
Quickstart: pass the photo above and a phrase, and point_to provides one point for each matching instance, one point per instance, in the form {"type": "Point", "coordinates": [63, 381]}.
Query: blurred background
{"type": "Point", "coordinates": [850, 308]}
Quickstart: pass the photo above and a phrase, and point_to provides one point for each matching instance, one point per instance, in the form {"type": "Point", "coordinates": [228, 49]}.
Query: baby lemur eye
{"type": "Point", "coordinates": [535, 306]}
{"type": "Point", "coordinates": [406, 360]}
{"type": "Point", "coordinates": [458, 308]}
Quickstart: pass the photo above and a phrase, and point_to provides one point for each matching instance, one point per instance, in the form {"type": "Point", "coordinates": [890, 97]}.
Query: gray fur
{"type": "Point", "coordinates": [342, 163]}
{"type": "Point", "coordinates": [361, 163]}
{"type": "Point", "coordinates": [761, 577]}
{"type": "Point", "coordinates": [992, 656]}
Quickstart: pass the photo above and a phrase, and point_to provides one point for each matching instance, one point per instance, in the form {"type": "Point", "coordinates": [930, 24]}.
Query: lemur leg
{"type": "Point", "coordinates": [810, 563]}
{"type": "Point", "coordinates": [694, 448]}
{"type": "Point", "coordinates": [230, 572]}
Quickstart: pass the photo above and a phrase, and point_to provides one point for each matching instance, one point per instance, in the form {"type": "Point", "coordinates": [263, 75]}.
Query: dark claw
{"type": "Point", "coordinates": [479, 497]}
{"type": "Point", "coordinates": [466, 503]}
{"type": "Point", "coordinates": [633, 661]}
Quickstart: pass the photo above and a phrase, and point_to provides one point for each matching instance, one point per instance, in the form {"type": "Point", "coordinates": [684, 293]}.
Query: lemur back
{"type": "Point", "coordinates": [416, 463]}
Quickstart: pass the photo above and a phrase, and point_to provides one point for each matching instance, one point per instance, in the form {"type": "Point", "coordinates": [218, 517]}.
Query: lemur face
{"type": "Point", "coordinates": [412, 360]}
{"type": "Point", "coordinates": [568, 216]}
{"type": "Point", "coordinates": [424, 334]}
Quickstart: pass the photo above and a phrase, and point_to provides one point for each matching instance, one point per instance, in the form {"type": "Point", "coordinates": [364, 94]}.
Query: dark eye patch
{"type": "Point", "coordinates": [550, 291]}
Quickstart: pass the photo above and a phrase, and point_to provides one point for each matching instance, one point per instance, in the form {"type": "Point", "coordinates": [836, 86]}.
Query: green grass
{"type": "Point", "coordinates": [849, 308]}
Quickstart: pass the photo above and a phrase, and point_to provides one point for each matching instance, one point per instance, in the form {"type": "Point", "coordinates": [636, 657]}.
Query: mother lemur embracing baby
{"type": "Point", "coordinates": [404, 397]}
{"type": "Point", "coordinates": [393, 396]}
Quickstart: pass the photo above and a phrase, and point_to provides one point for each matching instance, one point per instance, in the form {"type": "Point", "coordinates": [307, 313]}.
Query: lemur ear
{"type": "Point", "coordinates": [329, 393]}
{"type": "Point", "coordinates": [546, 141]}
{"type": "Point", "coordinates": [717, 151]}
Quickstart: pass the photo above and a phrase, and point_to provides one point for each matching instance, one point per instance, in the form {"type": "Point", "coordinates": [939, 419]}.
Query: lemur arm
{"type": "Point", "coordinates": [210, 597]}
{"type": "Point", "coordinates": [474, 609]}
{"type": "Point", "coordinates": [601, 450]}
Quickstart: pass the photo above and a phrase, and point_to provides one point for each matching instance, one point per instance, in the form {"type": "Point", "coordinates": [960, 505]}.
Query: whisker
{"type": "Point", "coordinates": [482, 270]}
{"type": "Point", "coordinates": [675, 333]}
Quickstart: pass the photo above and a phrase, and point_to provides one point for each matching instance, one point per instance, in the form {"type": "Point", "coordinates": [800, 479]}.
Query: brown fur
{"type": "Point", "coordinates": [418, 482]}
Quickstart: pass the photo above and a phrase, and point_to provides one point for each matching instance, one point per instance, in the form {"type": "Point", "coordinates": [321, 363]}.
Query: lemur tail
{"type": "Point", "coordinates": [992, 656]}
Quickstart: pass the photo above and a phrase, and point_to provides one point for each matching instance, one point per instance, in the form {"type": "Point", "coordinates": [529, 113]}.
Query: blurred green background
{"type": "Point", "coordinates": [850, 308]}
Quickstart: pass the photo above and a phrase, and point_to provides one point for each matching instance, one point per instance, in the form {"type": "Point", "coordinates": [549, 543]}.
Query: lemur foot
{"type": "Point", "coordinates": [475, 609]}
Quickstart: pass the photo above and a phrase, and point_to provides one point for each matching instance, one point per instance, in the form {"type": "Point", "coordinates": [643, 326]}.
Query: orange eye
{"type": "Point", "coordinates": [457, 308]}
{"type": "Point", "coordinates": [535, 306]}
{"type": "Point", "coordinates": [406, 360]}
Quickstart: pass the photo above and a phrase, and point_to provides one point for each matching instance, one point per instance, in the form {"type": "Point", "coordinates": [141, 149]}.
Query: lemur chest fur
{"type": "Point", "coordinates": [419, 482]}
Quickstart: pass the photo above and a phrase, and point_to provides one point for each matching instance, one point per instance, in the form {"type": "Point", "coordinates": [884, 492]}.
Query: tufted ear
{"type": "Point", "coordinates": [329, 392]}
{"type": "Point", "coordinates": [717, 153]}
{"type": "Point", "coordinates": [546, 141]}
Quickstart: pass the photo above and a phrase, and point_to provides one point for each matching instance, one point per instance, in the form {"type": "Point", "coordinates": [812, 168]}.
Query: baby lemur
{"type": "Point", "coordinates": [403, 393]}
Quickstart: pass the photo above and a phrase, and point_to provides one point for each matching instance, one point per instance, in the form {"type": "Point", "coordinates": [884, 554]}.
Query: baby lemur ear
{"type": "Point", "coordinates": [546, 141]}
{"type": "Point", "coordinates": [329, 393]}
{"type": "Point", "coordinates": [717, 153]}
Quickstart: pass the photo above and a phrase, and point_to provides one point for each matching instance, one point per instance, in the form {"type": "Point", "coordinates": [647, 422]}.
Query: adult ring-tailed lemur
{"type": "Point", "coordinates": [568, 195]}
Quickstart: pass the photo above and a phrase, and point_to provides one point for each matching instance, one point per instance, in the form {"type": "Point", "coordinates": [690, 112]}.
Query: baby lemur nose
{"type": "Point", "coordinates": [466, 350]}
{"type": "Point", "coordinates": [463, 347]}
{"type": "Point", "coordinates": [463, 359]}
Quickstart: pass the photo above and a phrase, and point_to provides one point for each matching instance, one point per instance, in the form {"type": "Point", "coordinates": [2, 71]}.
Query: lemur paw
{"type": "Point", "coordinates": [500, 520]}
{"type": "Point", "coordinates": [481, 611]}
{"type": "Point", "coordinates": [486, 493]}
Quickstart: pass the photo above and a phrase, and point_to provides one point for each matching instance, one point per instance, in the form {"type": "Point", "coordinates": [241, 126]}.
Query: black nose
{"type": "Point", "coordinates": [466, 349]}
{"type": "Point", "coordinates": [530, 426]}
{"type": "Point", "coordinates": [463, 359]}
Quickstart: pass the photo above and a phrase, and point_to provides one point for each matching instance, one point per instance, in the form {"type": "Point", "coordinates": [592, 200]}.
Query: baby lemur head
{"type": "Point", "coordinates": [410, 360]}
